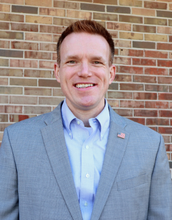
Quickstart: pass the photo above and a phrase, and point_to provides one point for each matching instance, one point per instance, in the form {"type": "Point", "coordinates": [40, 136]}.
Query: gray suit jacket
{"type": "Point", "coordinates": [36, 181]}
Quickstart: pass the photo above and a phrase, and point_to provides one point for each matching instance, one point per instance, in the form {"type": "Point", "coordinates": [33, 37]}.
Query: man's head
{"type": "Point", "coordinates": [85, 67]}
{"type": "Point", "coordinates": [87, 26]}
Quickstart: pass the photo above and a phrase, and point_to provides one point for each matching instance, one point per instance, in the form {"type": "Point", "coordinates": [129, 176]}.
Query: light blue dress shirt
{"type": "Point", "coordinates": [86, 148]}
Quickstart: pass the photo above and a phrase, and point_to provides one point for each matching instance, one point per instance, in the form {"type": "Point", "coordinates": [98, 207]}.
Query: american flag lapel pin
{"type": "Point", "coordinates": [121, 135]}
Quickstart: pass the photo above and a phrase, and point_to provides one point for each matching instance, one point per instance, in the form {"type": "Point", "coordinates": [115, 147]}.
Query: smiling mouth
{"type": "Point", "coordinates": [84, 85]}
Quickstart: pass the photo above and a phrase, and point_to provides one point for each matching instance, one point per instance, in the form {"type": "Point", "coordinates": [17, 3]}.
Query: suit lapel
{"type": "Point", "coordinates": [115, 150]}
{"type": "Point", "coordinates": [54, 140]}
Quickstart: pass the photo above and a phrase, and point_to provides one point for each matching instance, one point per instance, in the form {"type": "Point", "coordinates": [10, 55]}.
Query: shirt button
{"type": "Point", "coordinates": [78, 122]}
{"type": "Point", "coordinates": [87, 175]}
{"type": "Point", "coordinates": [85, 203]}
{"type": "Point", "coordinates": [87, 147]}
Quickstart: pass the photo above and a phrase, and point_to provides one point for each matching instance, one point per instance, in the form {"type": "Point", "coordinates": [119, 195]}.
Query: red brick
{"type": "Point", "coordinates": [122, 43]}
{"type": "Point", "coordinates": [165, 130]}
{"type": "Point", "coordinates": [92, 7]}
{"type": "Point", "coordinates": [37, 55]}
{"type": "Point", "coordinates": [3, 99]}
{"type": "Point", "coordinates": [51, 29]}
{"type": "Point", "coordinates": [144, 44]}
{"type": "Point", "coordinates": [156, 54]}
{"type": "Point", "coordinates": [23, 100]}
{"type": "Point", "coordinates": [11, 17]}
{"type": "Point", "coordinates": [80, 14]}
{"type": "Point", "coordinates": [156, 21]}
{"type": "Point", "coordinates": [11, 72]}
{"type": "Point", "coordinates": [144, 28]}
{"type": "Point", "coordinates": [147, 62]}
{"type": "Point", "coordinates": [156, 88]}
{"type": "Point", "coordinates": [156, 71]}
{"type": "Point", "coordinates": [145, 79]}
{"type": "Point", "coordinates": [155, 5]}
{"type": "Point", "coordinates": [48, 83]}
{"type": "Point", "coordinates": [3, 81]}
{"type": "Point", "coordinates": [156, 104]}
{"type": "Point", "coordinates": [119, 95]}
{"type": "Point", "coordinates": [165, 96]}
{"type": "Point", "coordinates": [3, 118]}
{"type": "Point", "coordinates": [164, 30]}
{"type": "Point", "coordinates": [36, 109]}
{"type": "Point", "coordinates": [113, 103]}
{"type": "Point", "coordinates": [131, 69]}
{"type": "Point", "coordinates": [37, 91]}
{"type": "Point", "coordinates": [145, 95]}
{"type": "Point", "coordinates": [3, 126]}
{"type": "Point", "coordinates": [164, 46]}
{"type": "Point", "coordinates": [4, 8]}
{"type": "Point", "coordinates": [10, 109]}
{"type": "Point", "coordinates": [130, 3]}
{"type": "Point", "coordinates": [24, 27]}
{"type": "Point", "coordinates": [11, 35]}
{"type": "Point", "coordinates": [110, 2]}
{"type": "Point", "coordinates": [10, 90]}
{"type": "Point", "coordinates": [24, 45]}
{"type": "Point", "coordinates": [157, 121]}
{"type": "Point", "coordinates": [118, 26]}
{"type": "Point", "coordinates": [46, 64]}
{"type": "Point", "coordinates": [122, 60]}
{"type": "Point", "coordinates": [19, 2]}
{"type": "Point", "coordinates": [123, 78]}
{"type": "Point", "coordinates": [4, 44]}
{"type": "Point", "coordinates": [38, 37]}
{"type": "Point", "coordinates": [58, 92]}
{"type": "Point", "coordinates": [131, 104]}
{"type": "Point", "coordinates": [54, 56]}
{"type": "Point", "coordinates": [50, 100]}
{"type": "Point", "coordinates": [165, 113]}
{"type": "Point", "coordinates": [143, 11]}
{"type": "Point", "coordinates": [17, 118]}
{"type": "Point", "coordinates": [4, 62]}
{"type": "Point", "coordinates": [24, 63]}
{"type": "Point", "coordinates": [131, 19]}
{"type": "Point", "coordinates": [166, 63]}
{"type": "Point", "coordinates": [4, 25]}
{"type": "Point", "coordinates": [127, 86]}
{"type": "Point", "coordinates": [48, 46]}
{"type": "Point", "coordinates": [165, 80]}
{"type": "Point", "coordinates": [138, 120]}
{"type": "Point", "coordinates": [130, 52]}
{"type": "Point", "coordinates": [23, 82]}
{"type": "Point", "coordinates": [38, 73]}
{"type": "Point", "coordinates": [64, 4]}
{"type": "Point", "coordinates": [52, 12]}
{"type": "Point", "coordinates": [145, 113]}
{"type": "Point", "coordinates": [124, 112]}
{"type": "Point", "coordinates": [39, 3]}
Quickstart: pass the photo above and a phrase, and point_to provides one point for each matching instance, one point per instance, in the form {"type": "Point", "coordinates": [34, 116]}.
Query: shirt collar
{"type": "Point", "coordinates": [103, 118]}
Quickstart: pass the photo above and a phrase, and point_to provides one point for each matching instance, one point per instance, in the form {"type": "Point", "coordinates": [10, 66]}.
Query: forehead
{"type": "Point", "coordinates": [80, 43]}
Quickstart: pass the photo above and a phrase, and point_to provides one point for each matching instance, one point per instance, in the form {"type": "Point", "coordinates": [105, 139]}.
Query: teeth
{"type": "Point", "coordinates": [83, 85]}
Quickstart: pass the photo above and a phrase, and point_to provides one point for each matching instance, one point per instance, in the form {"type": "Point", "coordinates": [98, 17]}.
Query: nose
{"type": "Point", "coordinates": [84, 69]}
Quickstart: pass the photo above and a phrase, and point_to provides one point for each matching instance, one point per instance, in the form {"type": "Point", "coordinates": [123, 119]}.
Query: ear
{"type": "Point", "coordinates": [112, 73]}
{"type": "Point", "coordinates": [56, 72]}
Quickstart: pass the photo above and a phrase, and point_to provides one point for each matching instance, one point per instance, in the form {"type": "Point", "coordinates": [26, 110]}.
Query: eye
{"type": "Point", "coordinates": [96, 62]}
{"type": "Point", "coordinates": [71, 61]}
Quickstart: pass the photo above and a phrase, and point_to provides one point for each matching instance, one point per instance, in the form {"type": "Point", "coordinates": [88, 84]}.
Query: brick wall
{"type": "Point", "coordinates": [142, 32]}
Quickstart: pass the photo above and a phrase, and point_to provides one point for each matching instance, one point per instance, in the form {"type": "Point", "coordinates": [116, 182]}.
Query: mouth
{"type": "Point", "coordinates": [84, 85]}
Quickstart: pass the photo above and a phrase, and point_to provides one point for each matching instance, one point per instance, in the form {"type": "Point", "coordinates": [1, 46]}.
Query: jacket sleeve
{"type": "Point", "coordinates": [8, 181]}
{"type": "Point", "coordinates": [160, 200]}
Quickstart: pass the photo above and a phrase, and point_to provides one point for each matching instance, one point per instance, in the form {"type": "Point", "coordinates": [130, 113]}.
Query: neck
{"type": "Point", "coordinates": [85, 114]}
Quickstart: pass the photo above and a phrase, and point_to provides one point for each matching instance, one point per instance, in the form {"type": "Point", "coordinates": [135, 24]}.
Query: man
{"type": "Point", "coordinates": [83, 161]}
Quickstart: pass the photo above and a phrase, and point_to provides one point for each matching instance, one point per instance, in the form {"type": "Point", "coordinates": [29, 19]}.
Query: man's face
{"type": "Point", "coordinates": [84, 72]}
